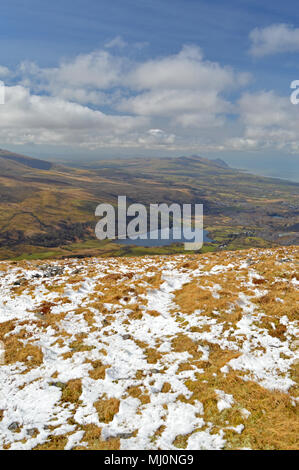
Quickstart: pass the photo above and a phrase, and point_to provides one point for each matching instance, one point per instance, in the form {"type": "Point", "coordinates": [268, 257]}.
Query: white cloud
{"type": "Point", "coordinates": [184, 87]}
{"type": "Point", "coordinates": [183, 90]}
{"type": "Point", "coordinates": [185, 70]}
{"type": "Point", "coordinates": [269, 120]}
{"type": "Point", "coordinates": [170, 102]}
{"type": "Point", "coordinates": [4, 72]}
{"type": "Point", "coordinates": [273, 39]}
{"type": "Point", "coordinates": [98, 69]}
{"type": "Point", "coordinates": [116, 42]}
{"type": "Point", "coordinates": [27, 118]}
{"type": "Point", "coordinates": [83, 79]}
{"type": "Point", "coordinates": [179, 102]}
{"type": "Point", "coordinates": [156, 137]}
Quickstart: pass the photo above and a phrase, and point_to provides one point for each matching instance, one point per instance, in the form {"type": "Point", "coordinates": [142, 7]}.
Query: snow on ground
{"type": "Point", "coordinates": [187, 351]}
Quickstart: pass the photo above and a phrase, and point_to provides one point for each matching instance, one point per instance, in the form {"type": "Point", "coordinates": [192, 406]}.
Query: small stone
{"type": "Point", "coordinates": [125, 337]}
{"type": "Point", "coordinates": [20, 282]}
{"type": "Point", "coordinates": [125, 435]}
{"type": "Point", "coordinates": [31, 432]}
{"type": "Point", "coordinates": [51, 271]}
{"type": "Point", "coordinates": [13, 426]}
{"type": "Point", "coordinates": [155, 371]}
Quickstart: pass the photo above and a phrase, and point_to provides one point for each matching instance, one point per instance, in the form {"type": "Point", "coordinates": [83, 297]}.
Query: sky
{"type": "Point", "coordinates": [119, 78]}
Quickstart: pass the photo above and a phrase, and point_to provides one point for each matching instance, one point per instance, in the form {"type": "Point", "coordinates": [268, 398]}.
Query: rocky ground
{"type": "Point", "coordinates": [186, 351]}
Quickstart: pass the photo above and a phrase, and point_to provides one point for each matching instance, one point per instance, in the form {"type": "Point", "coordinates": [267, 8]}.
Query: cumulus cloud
{"type": "Point", "coordinates": [187, 69]}
{"type": "Point", "coordinates": [269, 121]}
{"type": "Point", "coordinates": [170, 102]}
{"type": "Point", "coordinates": [102, 98]}
{"type": "Point", "coordinates": [273, 39]}
{"type": "Point", "coordinates": [98, 69]}
{"type": "Point", "coordinates": [182, 101]}
{"type": "Point", "coordinates": [83, 79]}
{"type": "Point", "coordinates": [184, 87]}
{"type": "Point", "coordinates": [27, 118]}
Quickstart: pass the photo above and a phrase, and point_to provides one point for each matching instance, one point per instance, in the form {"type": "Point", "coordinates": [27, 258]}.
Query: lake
{"type": "Point", "coordinates": [174, 237]}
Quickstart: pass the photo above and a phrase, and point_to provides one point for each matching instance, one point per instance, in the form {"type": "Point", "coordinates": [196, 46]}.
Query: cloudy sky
{"type": "Point", "coordinates": [159, 77]}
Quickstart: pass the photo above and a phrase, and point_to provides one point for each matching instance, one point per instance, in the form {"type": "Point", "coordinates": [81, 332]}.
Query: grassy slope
{"type": "Point", "coordinates": [218, 330]}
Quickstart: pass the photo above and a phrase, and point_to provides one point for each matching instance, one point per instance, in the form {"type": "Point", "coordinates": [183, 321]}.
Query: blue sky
{"type": "Point", "coordinates": [49, 51]}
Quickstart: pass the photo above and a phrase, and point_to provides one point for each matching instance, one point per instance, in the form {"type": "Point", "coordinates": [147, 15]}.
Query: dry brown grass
{"type": "Point", "coordinates": [72, 391]}
{"type": "Point", "coordinates": [184, 366]}
{"type": "Point", "coordinates": [53, 443]}
{"type": "Point", "coordinates": [275, 309]}
{"type": "Point", "coordinates": [272, 424]}
{"type": "Point", "coordinates": [194, 296]}
{"type": "Point", "coordinates": [182, 343]}
{"type": "Point", "coordinates": [136, 392]}
{"type": "Point", "coordinates": [93, 439]}
{"type": "Point", "coordinates": [106, 409]}
{"type": "Point", "coordinates": [166, 387]}
{"type": "Point", "coordinates": [181, 441]}
{"type": "Point", "coordinates": [98, 371]}
{"type": "Point", "coordinates": [152, 355]}
{"type": "Point", "coordinates": [16, 351]}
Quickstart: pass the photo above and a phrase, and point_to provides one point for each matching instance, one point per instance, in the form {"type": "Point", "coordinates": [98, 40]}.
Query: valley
{"type": "Point", "coordinates": [47, 210]}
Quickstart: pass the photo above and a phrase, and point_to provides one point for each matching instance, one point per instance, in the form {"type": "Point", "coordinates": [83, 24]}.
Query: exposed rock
{"type": "Point", "coordinates": [125, 337]}
{"type": "Point", "coordinates": [124, 435]}
{"type": "Point", "coordinates": [14, 426]}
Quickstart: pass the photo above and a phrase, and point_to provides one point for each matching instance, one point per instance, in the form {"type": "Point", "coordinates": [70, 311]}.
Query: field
{"type": "Point", "coordinates": [194, 351]}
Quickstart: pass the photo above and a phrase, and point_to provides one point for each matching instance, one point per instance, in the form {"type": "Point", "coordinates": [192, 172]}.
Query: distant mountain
{"type": "Point", "coordinates": [216, 161]}
{"type": "Point", "coordinates": [26, 161]}
{"type": "Point", "coordinates": [220, 162]}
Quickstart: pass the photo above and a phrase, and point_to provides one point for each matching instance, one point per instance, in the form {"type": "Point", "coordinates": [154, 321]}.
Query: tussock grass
{"type": "Point", "coordinates": [72, 391]}
{"type": "Point", "coordinates": [106, 409]}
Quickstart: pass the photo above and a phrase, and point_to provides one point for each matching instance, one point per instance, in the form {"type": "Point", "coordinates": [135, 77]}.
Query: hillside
{"type": "Point", "coordinates": [47, 210]}
{"type": "Point", "coordinates": [186, 351]}
{"type": "Point", "coordinates": [24, 160]}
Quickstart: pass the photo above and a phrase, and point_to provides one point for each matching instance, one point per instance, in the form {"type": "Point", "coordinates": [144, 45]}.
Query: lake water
{"type": "Point", "coordinates": [174, 237]}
